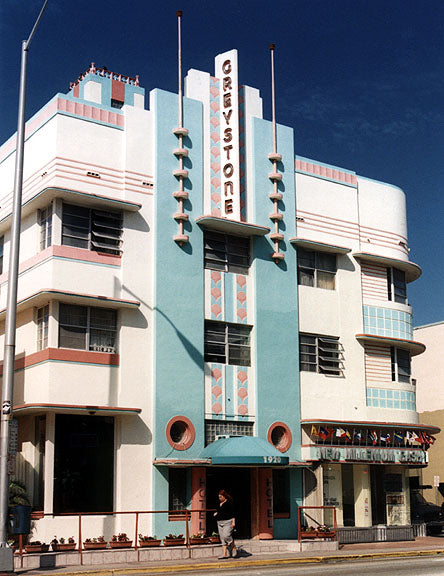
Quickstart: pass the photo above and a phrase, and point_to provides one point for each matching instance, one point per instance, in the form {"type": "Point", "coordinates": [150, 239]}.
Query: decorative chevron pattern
{"type": "Point", "coordinates": [242, 391]}
{"type": "Point", "coordinates": [216, 389]}
{"type": "Point", "coordinates": [241, 299]}
{"type": "Point", "coordinates": [216, 295]}
{"type": "Point", "coordinates": [215, 147]}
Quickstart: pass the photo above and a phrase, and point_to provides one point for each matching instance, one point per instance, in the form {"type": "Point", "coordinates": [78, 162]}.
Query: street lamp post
{"type": "Point", "coordinates": [6, 554]}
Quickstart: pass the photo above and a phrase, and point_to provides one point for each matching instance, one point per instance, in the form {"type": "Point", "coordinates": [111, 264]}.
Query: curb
{"type": "Point", "coordinates": [246, 563]}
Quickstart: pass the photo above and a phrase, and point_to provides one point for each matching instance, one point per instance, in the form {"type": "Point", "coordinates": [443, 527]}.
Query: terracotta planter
{"type": "Point", "coordinates": [214, 539]}
{"type": "Point", "coordinates": [199, 541]}
{"type": "Point", "coordinates": [149, 543]}
{"type": "Point", "coordinates": [309, 534]}
{"type": "Point", "coordinates": [67, 547]}
{"type": "Point", "coordinates": [173, 541]}
{"type": "Point", "coordinates": [127, 544]}
{"type": "Point", "coordinates": [94, 545]}
{"type": "Point", "coordinates": [36, 549]}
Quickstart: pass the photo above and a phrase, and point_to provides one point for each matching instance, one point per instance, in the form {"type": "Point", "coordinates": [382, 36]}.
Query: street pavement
{"type": "Point", "coordinates": [422, 554]}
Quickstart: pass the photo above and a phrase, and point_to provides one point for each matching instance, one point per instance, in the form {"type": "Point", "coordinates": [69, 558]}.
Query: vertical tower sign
{"type": "Point", "coordinates": [227, 71]}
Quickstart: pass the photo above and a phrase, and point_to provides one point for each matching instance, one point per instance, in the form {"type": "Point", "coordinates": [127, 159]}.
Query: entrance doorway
{"type": "Point", "coordinates": [379, 515]}
{"type": "Point", "coordinates": [237, 482]}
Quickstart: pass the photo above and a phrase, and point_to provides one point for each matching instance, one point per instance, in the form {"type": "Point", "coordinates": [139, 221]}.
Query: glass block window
{"type": "Point", "coordinates": [215, 428]}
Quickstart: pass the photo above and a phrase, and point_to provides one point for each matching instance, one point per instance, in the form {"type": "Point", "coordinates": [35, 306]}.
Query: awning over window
{"type": "Point", "coordinates": [244, 450]}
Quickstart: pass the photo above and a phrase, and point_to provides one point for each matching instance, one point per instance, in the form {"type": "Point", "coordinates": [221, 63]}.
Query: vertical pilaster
{"type": "Point", "coordinates": [49, 463]}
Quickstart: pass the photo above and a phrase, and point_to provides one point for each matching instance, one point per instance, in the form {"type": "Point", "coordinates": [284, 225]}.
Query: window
{"type": "Point", "coordinates": [401, 369]}
{"type": "Point", "coordinates": [227, 343]}
{"type": "Point", "coordinates": [42, 327]}
{"type": "Point", "coordinates": [177, 493]}
{"type": "Point", "coordinates": [1, 253]}
{"type": "Point", "coordinates": [83, 463]}
{"type": "Point", "coordinates": [87, 328]}
{"type": "Point", "coordinates": [396, 286]}
{"type": "Point", "coordinates": [281, 493]}
{"type": "Point", "coordinates": [215, 428]}
{"type": "Point", "coordinates": [322, 354]}
{"type": "Point", "coordinates": [92, 229]}
{"type": "Point", "coordinates": [45, 221]}
{"type": "Point", "coordinates": [226, 253]}
{"type": "Point", "coordinates": [316, 269]}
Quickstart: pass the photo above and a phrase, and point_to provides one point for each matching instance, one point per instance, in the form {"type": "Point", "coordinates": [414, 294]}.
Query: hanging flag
{"type": "Point", "coordinates": [348, 436]}
{"type": "Point", "coordinates": [398, 437]}
{"type": "Point", "coordinates": [324, 433]}
{"type": "Point", "coordinates": [314, 431]}
{"type": "Point", "coordinates": [409, 437]}
{"type": "Point", "coordinates": [385, 438]}
{"type": "Point", "coordinates": [432, 440]}
{"type": "Point", "coordinates": [357, 435]}
{"type": "Point", "coordinates": [416, 438]}
{"type": "Point", "coordinates": [373, 437]}
{"type": "Point", "coordinates": [340, 433]}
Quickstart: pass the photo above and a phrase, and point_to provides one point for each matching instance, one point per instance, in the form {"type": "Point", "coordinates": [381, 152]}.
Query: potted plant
{"type": "Point", "coordinates": [325, 531]}
{"type": "Point", "coordinates": [36, 547]}
{"type": "Point", "coordinates": [61, 545]}
{"type": "Point", "coordinates": [95, 543]}
{"type": "Point", "coordinates": [148, 541]}
{"type": "Point", "coordinates": [214, 538]}
{"type": "Point", "coordinates": [174, 540]}
{"type": "Point", "coordinates": [199, 538]}
{"type": "Point", "coordinates": [120, 541]}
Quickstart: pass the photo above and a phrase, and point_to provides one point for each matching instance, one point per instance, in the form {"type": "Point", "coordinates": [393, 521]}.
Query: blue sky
{"type": "Point", "coordinates": [360, 81]}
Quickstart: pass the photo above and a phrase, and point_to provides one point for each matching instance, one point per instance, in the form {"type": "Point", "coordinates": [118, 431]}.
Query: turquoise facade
{"type": "Point", "coordinates": [178, 344]}
{"type": "Point", "coordinates": [275, 285]}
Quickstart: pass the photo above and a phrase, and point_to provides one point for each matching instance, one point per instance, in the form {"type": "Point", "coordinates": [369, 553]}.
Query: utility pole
{"type": "Point", "coordinates": [6, 554]}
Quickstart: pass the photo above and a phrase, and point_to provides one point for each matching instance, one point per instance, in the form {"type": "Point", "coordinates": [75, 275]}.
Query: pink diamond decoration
{"type": "Point", "coordinates": [241, 280]}
{"type": "Point", "coordinates": [215, 197]}
{"type": "Point", "coordinates": [241, 297]}
{"type": "Point", "coordinates": [242, 410]}
{"type": "Point", "coordinates": [242, 376]}
{"type": "Point", "coordinates": [215, 151]}
{"type": "Point", "coordinates": [214, 106]}
{"type": "Point", "coordinates": [214, 137]}
{"type": "Point", "coordinates": [216, 310]}
{"type": "Point", "coordinates": [241, 313]}
{"type": "Point", "coordinates": [215, 276]}
{"type": "Point", "coordinates": [214, 91]}
{"type": "Point", "coordinates": [214, 121]}
{"type": "Point", "coordinates": [242, 393]}
{"type": "Point", "coordinates": [215, 292]}
{"type": "Point", "coordinates": [216, 373]}
{"type": "Point", "coordinates": [215, 166]}
{"type": "Point", "coordinates": [215, 182]}
{"type": "Point", "coordinates": [217, 408]}
{"type": "Point", "coordinates": [215, 212]}
{"type": "Point", "coordinates": [216, 390]}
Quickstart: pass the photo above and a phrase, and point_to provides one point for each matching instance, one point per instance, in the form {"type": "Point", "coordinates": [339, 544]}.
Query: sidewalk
{"type": "Point", "coordinates": [420, 547]}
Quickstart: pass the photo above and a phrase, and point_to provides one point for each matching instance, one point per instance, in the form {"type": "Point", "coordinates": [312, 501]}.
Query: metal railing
{"type": "Point", "coordinates": [185, 515]}
{"type": "Point", "coordinates": [317, 533]}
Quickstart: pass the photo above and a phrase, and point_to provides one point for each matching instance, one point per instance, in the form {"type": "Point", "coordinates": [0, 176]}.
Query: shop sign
{"type": "Point", "coordinates": [381, 455]}
{"type": "Point", "coordinates": [226, 70]}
